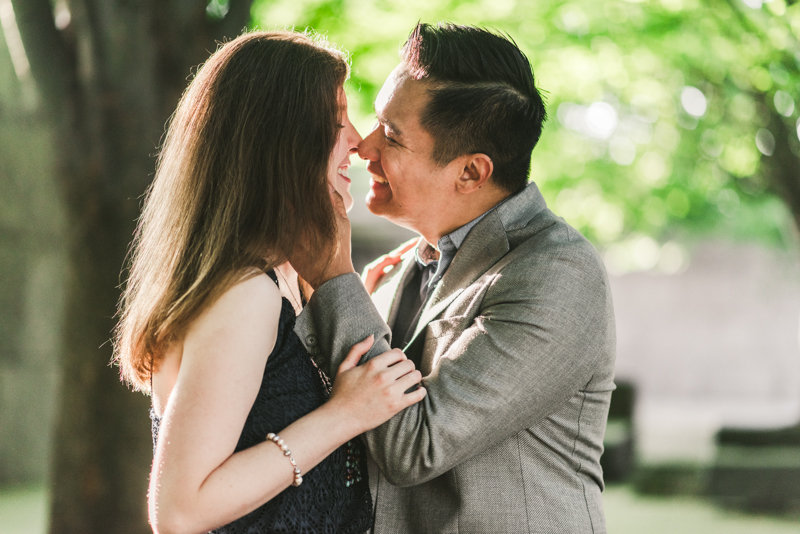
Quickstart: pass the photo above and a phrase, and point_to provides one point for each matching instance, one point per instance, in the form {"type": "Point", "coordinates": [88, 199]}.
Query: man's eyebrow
{"type": "Point", "coordinates": [392, 126]}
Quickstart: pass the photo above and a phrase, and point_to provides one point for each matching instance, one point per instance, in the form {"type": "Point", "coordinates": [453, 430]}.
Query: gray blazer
{"type": "Point", "coordinates": [518, 360]}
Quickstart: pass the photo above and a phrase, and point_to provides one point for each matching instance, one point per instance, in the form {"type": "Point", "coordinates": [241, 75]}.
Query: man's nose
{"type": "Point", "coordinates": [368, 147]}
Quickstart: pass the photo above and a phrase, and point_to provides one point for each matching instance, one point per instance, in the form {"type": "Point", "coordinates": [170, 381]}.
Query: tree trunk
{"type": "Point", "coordinates": [783, 168]}
{"type": "Point", "coordinates": [110, 80]}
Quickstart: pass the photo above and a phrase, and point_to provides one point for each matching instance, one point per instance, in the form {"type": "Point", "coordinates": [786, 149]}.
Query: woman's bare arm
{"type": "Point", "coordinates": [197, 482]}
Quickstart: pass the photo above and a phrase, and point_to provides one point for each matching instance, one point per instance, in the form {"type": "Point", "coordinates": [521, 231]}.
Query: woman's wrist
{"type": "Point", "coordinates": [344, 420]}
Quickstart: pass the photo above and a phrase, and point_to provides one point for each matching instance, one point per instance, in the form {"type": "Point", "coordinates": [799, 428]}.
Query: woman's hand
{"type": "Point", "coordinates": [372, 393]}
{"type": "Point", "coordinates": [317, 267]}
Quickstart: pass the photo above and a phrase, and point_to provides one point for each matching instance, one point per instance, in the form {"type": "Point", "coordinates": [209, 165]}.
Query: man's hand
{"type": "Point", "coordinates": [377, 269]}
{"type": "Point", "coordinates": [317, 266]}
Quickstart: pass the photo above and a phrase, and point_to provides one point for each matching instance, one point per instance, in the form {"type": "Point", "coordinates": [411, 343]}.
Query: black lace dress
{"type": "Point", "coordinates": [334, 497]}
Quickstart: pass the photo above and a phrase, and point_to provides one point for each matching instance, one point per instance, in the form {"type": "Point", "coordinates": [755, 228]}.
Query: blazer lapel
{"type": "Point", "coordinates": [482, 248]}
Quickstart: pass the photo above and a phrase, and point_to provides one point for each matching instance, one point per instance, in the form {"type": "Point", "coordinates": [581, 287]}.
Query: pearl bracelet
{"type": "Point", "coordinates": [276, 439]}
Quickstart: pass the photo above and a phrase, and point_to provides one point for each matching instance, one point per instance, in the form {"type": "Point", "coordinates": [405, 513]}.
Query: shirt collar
{"type": "Point", "coordinates": [449, 244]}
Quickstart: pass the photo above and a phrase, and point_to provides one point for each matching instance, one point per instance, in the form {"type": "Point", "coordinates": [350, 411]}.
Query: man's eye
{"type": "Point", "coordinates": [389, 139]}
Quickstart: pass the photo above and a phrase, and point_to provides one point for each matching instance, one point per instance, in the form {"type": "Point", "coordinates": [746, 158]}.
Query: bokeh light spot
{"type": "Point", "coordinates": [694, 101]}
{"type": "Point", "coordinates": [760, 78]}
{"type": "Point", "coordinates": [574, 20]}
{"type": "Point", "coordinates": [652, 167]}
{"type": "Point", "coordinates": [645, 253]}
{"type": "Point", "coordinates": [672, 258]}
{"type": "Point", "coordinates": [678, 203]}
{"type": "Point", "coordinates": [622, 150]}
{"type": "Point", "coordinates": [740, 157]}
{"type": "Point", "coordinates": [765, 142]}
{"type": "Point", "coordinates": [655, 211]}
{"type": "Point", "coordinates": [711, 145]}
{"type": "Point", "coordinates": [778, 73]}
{"type": "Point", "coordinates": [784, 103]}
{"type": "Point", "coordinates": [601, 120]}
{"type": "Point", "coordinates": [728, 202]}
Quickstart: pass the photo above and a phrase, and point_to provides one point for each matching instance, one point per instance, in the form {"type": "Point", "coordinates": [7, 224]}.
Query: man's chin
{"type": "Point", "coordinates": [375, 205]}
{"type": "Point", "coordinates": [381, 205]}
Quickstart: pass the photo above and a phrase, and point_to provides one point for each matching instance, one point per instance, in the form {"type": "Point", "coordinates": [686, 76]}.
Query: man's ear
{"type": "Point", "coordinates": [477, 169]}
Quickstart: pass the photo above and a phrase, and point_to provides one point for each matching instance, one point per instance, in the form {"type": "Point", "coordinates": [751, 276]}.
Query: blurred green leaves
{"type": "Point", "coordinates": [662, 112]}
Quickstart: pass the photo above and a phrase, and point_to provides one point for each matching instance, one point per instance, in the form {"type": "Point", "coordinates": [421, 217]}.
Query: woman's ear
{"type": "Point", "coordinates": [477, 168]}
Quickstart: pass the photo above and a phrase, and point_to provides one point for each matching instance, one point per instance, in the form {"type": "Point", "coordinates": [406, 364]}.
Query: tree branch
{"type": "Point", "coordinates": [51, 59]}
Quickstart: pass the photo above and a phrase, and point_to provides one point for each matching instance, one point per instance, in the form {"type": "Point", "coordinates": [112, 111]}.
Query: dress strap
{"type": "Point", "coordinates": [271, 274]}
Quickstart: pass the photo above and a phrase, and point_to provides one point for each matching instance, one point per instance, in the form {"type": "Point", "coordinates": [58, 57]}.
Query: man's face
{"type": "Point", "coordinates": [407, 186]}
{"type": "Point", "coordinates": [339, 163]}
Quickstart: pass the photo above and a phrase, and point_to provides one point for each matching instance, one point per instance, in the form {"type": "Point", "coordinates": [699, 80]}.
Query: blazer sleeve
{"type": "Point", "coordinates": [542, 330]}
{"type": "Point", "coordinates": [339, 314]}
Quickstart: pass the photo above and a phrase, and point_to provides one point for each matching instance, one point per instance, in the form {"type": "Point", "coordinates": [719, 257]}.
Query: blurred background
{"type": "Point", "coordinates": [673, 144]}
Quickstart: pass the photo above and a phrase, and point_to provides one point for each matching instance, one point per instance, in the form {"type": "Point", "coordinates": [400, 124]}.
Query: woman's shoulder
{"type": "Point", "coordinates": [254, 299]}
{"type": "Point", "coordinates": [255, 284]}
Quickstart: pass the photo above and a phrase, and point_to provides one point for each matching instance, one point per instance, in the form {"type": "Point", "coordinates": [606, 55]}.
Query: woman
{"type": "Point", "coordinates": [241, 414]}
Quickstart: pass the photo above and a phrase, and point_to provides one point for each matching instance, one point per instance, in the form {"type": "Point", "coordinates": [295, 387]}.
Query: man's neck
{"type": "Point", "coordinates": [463, 214]}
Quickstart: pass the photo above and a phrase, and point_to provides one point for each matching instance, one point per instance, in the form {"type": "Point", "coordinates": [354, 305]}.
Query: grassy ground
{"type": "Point", "coordinates": [630, 513]}
{"type": "Point", "coordinates": [24, 512]}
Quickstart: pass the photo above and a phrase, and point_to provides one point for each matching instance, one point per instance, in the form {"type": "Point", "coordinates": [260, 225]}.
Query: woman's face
{"type": "Point", "coordinates": [346, 146]}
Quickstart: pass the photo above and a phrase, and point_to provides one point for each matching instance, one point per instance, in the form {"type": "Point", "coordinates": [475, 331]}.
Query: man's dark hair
{"type": "Point", "coordinates": [482, 97]}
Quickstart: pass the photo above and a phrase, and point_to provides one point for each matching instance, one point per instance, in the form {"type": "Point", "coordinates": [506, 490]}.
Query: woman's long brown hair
{"type": "Point", "coordinates": [241, 177]}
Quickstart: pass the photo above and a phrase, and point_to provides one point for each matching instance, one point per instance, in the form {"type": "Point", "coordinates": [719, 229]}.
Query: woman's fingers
{"type": "Point", "coordinates": [355, 354]}
{"type": "Point", "coordinates": [375, 391]}
{"type": "Point", "coordinates": [387, 359]}
{"type": "Point", "coordinates": [399, 369]}
{"type": "Point", "coordinates": [409, 380]}
{"type": "Point", "coordinates": [414, 397]}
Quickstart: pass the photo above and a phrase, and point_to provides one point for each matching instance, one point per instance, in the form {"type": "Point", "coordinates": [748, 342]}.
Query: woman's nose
{"type": "Point", "coordinates": [353, 137]}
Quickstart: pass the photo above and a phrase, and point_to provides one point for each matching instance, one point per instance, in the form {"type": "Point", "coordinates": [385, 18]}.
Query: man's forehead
{"type": "Point", "coordinates": [400, 98]}
{"type": "Point", "coordinates": [390, 88]}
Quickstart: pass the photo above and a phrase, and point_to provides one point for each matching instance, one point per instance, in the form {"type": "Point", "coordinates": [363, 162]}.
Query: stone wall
{"type": "Point", "coordinates": [716, 345]}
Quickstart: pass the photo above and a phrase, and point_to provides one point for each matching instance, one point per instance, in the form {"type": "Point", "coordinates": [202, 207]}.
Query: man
{"type": "Point", "coordinates": [504, 307]}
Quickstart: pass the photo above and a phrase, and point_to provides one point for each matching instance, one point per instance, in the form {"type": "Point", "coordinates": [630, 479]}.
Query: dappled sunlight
{"type": "Point", "coordinates": [19, 59]}
{"type": "Point", "coordinates": [665, 104]}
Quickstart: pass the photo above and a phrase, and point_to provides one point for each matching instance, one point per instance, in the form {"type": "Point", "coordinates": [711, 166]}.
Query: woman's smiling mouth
{"type": "Point", "coordinates": [343, 171]}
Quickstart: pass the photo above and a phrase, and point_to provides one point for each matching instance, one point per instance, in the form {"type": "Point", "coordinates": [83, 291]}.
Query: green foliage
{"type": "Point", "coordinates": [658, 109]}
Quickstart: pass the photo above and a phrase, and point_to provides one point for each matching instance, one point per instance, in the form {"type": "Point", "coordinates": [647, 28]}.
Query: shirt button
{"type": "Point", "coordinates": [311, 340]}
